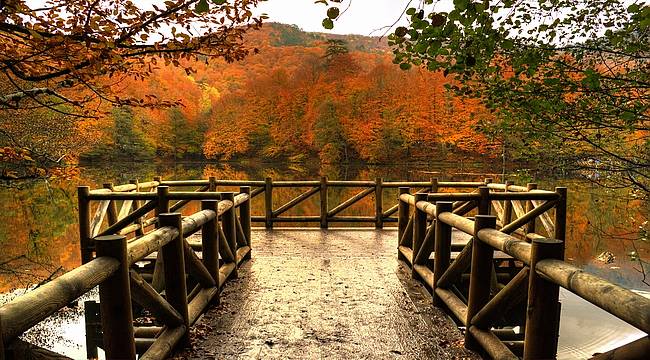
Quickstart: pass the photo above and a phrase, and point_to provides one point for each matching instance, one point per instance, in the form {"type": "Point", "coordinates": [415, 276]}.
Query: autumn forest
{"type": "Point", "coordinates": [339, 98]}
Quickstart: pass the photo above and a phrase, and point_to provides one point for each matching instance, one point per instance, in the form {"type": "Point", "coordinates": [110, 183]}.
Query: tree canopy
{"type": "Point", "coordinates": [74, 53]}
{"type": "Point", "coordinates": [565, 79]}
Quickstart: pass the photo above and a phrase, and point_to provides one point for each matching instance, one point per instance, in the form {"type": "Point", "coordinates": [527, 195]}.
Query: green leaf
{"type": "Point", "coordinates": [404, 66]}
{"type": "Point", "coordinates": [461, 4]}
{"type": "Point", "coordinates": [551, 81]}
{"type": "Point", "coordinates": [219, 2]}
{"type": "Point", "coordinates": [202, 6]}
{"type": "Point", "coordinates": [591, 80]}
{"type": "Point", "coordinates": [420, 24]}
{"type": "Point", "coordinates": [328, 24]}
{"type": "Point", "coordinates": [628, 116]}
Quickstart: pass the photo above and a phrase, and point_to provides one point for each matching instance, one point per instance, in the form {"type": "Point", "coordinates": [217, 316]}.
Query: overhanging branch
{"type": "Point", "coordinates": [13, 100]}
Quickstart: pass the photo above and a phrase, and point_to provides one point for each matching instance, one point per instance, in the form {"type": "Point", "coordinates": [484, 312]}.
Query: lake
{"type": "Point", "coordinates": [606, 229]}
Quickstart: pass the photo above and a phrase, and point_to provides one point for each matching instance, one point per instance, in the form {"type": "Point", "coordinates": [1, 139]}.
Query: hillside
{"type": "Point", "coordinates": [291, 35]}
{"type": "Point", "coordinates": [303, 94]}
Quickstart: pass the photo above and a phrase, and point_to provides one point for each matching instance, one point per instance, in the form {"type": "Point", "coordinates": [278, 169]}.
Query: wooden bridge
{"type": "Point", "coordinates": [490, 255]}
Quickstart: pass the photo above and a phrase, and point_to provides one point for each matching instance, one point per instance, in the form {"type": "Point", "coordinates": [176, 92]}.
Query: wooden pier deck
{"type": "Point", "coordinates": [319, 293]}
{"type": "Point", "coordinates": [335, 294]}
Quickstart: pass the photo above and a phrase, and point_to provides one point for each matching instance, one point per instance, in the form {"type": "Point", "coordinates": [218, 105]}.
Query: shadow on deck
{"type": "Point", "coordinates": [311, 293]}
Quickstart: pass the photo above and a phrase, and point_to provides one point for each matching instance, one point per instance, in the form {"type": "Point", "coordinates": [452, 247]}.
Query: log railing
{"type": "Point", "coordinates": [494, 273]}
{"type": "Point", "coordinates": [329, 213]}
{"type": "Point", "coordinates": [109, 260]}
{"type": "Point", "coordinates": [506, 275]}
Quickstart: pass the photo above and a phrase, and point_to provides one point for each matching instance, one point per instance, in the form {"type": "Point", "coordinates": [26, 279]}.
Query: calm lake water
{"type": "Point", "coordinates": [39, 231]}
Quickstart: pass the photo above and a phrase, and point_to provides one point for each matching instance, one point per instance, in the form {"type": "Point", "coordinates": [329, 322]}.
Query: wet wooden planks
{"type": "Point", "coordinates": [325, 294]}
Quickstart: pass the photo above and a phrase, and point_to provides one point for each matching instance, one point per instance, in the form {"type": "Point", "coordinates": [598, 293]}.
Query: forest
{"type": "Point", "coordinates": [250, 89]}
{"type": "Point", "coordinates": [305, 94]}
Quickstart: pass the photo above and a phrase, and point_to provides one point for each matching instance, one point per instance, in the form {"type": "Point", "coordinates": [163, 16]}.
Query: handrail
{"type": "Point", "coordinates": [487, 300]}
{"type": "Point", "coordinates": [459, 222]}
{"type": "Point", "coordinates": [618, 301]}
{"type": "Point", "coordinates": [407, 198]}
{"type": "Point", "coordinates": [224, 218]}
{"type": "Point", "coordinates": [510, 245]}
{"type": "Point", "coordinates": [134, 192]}
{"type": "Point", "coordinates": [127, 187]}
{"type": "Point", "coordinates": [149, 243]}
{"type": "Point", "coordinates": [25, 311]}
{"type": "Point", "coordinates": [328, 214]}
{"type": "Point", "coordinates": [440, 184]}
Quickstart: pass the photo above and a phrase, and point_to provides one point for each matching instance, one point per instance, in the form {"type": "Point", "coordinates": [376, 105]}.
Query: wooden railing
{"type": "Point", "coordinates": [499, 272]}
{"type": "Point", "coordinates": [506, 275]}
{"type": "Point", "coordinates": [329, 213]}
{"type": "Point", "coordinates": [109, 259]}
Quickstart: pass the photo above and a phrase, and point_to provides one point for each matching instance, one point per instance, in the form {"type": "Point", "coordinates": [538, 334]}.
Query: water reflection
{"type": "Point", "coordinates": [585, 329]}
{"type": "Point", "coordinates": [38, 232]}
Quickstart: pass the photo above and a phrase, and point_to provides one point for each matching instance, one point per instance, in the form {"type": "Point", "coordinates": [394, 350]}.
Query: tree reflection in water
{"type": "Point", "coordinates": [39, 232]}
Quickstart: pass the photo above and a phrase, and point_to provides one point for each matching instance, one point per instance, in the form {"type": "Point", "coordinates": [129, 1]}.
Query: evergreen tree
{"type": "Point", "coordinates": [128, 140]}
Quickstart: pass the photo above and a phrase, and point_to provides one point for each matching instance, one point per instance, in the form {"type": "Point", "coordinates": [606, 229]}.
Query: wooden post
{"type": "Point", "coordinates": [530, 227]}
{"type": "Point", "coordinates": [542, 312]}
{"type": "Point", "coordinates": [210, 240]}
{"type": "Point", "coordinates": [115, 301]}
{"type": "Point", "coordinates": [135, 205]}
{"type": "Point", "coordinates": [92, 323]}
{"type": "Point", "coordinates": [323, 203]}
{"type": "Point", "coordinates": [158, 280]}
{"type": "Point", "coordinates": [111, 212]}
{"type": "Point", "coordinates": [229, 224]}
{"type": "Point", "coordinates": [480, 274]}
{"type": "Point", "coordinates": [379, 203]}
{"type": "Point", "coordinates": [174, 259]}
{"type": "Point", "coordinates": [419, 229]}
{"type": "Point", "coordinates": [484, 204]}
{"type": "Point", "coordinates": [268, 203]}
{"type": "Point", "coordinates": [245, 215]}
{"type": "Point", "coordinates": [402, 218]}
{"type": "Point", "coordinates": [434, 189]}
{"type": "Point", "coordinates": [507, 206]}
{"type": "Point", "coordinates": [163, 200]}
{"type": "Point", "coordinates": [212, 187]}
{"type": "Point", "coordinates": [434, 185]}
{"type": "Point", "coordinates": [84, 224]}
{"type": "Point", "coordinates": [442, 248]}
{"type": "Point", "coordinates": [560, 214]}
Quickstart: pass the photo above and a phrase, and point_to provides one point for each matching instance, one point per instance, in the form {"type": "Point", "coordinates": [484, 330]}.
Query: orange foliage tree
{"type": "Point", "coordinates": [324, 99]}
{"type": "Point", "coordinates": [51, 49]}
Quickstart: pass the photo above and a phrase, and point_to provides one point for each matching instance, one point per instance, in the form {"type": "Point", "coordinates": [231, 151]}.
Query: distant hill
{"type": "Point", "coordinates": [291, 35]}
